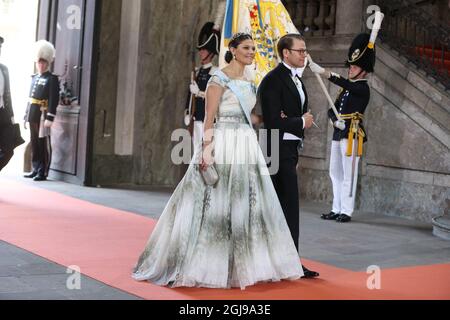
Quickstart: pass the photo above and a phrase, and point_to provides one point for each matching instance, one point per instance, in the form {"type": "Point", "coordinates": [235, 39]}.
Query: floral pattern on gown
{"type": "Point", "coordinates": [233, 234]}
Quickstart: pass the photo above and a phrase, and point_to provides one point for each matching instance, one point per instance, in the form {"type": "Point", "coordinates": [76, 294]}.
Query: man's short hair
{"type": "Point", "coordinates": [1, 41]}
{"type": "Point", "coordinates": [286, 42]}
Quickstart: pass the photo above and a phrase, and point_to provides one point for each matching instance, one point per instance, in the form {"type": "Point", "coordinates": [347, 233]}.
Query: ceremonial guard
{"type": "Point", "coordinates": [208, 48]}
{"type": "Point", "coordinates": [347, 117]}
{"type": "Point", "coordinates": [41, 110]}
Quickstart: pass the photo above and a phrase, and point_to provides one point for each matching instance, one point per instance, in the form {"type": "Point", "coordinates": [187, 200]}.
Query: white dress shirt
{"type": "Point", "coordinates": [294, 73]}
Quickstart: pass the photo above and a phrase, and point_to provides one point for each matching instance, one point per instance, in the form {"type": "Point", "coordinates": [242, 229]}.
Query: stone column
{"type": "Point", "coordinates": [348, 17]}
{"type": "Point", "coordinates": [291, 6]}
{"type": "Point", "coordinates": [126, 87]}
{"type": "Point", "coordinates": [300, 15]}
{"type": "Point", "coordinates": [319, 21]}
{"type": "Point", "coordinates": [311, 13]}
{"type": "Point", "coordinates": [331, 19]}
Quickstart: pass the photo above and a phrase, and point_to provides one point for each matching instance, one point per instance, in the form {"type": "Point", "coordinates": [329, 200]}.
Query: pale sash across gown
{"type": "Point", "coordinates": [230, 235]}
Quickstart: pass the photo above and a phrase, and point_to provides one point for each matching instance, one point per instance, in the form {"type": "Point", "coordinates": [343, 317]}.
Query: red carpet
{"type": "Point", "coordinates": [105, 243]}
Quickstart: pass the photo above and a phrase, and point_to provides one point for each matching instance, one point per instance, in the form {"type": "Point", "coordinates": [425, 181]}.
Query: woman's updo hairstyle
{"type": "Point", "coordinates": [235, 41]}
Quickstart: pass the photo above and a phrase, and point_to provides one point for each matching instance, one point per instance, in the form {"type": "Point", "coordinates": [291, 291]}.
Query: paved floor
{"type": "Point", "coordinates": [370, 239]}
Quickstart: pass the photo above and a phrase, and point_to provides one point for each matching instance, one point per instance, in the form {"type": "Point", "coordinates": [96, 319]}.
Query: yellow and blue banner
{"type": "Point", "coordinates": [267, 21]}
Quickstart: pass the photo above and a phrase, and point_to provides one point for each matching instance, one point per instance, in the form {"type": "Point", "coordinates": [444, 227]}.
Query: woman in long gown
{"type": "Point", "coordinates": [233, 234]}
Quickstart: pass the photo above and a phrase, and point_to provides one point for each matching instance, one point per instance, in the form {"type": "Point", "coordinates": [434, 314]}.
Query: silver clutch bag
{"type": "Point", "coordinates": [210, 175]}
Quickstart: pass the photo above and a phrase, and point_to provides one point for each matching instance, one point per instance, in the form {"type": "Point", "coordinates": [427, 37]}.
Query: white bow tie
{"type": "Point", "coordinates": [297, 72]}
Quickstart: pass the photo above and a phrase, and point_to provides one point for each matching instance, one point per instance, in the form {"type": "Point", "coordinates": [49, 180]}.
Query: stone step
{"type": "Point", "coordinates": [406, 82]}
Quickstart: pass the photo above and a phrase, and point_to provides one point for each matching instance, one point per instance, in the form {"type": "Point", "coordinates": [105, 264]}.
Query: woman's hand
{"type": "Point", "coordinates": [48, 123]}
{"type": "Point", "coordinates": [207, 156]}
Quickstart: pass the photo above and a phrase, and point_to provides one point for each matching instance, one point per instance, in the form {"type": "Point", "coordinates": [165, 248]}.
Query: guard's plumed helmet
{"type": "Point", "coordinates": [361, 54]}
{"type": "Point", "coordinates": [362, 51]}
{"type": "Point", "coordinates": [209, 38]}
{"type": "Point", "coordinates": [44, 50]}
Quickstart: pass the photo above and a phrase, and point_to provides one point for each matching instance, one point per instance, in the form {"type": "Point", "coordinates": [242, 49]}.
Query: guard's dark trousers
{"type": "Point", "coordinates": [41, 151]}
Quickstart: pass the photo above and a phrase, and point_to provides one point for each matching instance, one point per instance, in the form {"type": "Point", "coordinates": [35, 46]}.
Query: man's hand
{"type": "Point", "coordinates": [194, 88]}
{"type": "Point", "coordinates": [48, 124]}
{"type": "Point", "coordinates": [25, 125]}
{"type": "Point", "coordinates": [340, 124]}
{"type": "Point", "coordinates": [256, 119]}
{"type": "Point", "coordinates": [308, 119]}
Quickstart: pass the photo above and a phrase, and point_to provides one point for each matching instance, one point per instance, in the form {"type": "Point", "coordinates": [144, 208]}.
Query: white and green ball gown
{"type": "Point", "coordinates": [233, 234]}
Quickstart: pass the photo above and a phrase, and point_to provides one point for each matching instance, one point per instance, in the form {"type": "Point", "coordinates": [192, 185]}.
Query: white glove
{"type": "Point", "coordinates": [25, 126]}
{"type": "Point", "coordinates": [194, 88]}
{"type": "Point", "coordinates": [187, 118]}
{"type": "Point", "coordinates": [316, 68]}
{"type": "Point", "coordinates": [12, 120]}
{"type": "Point", "coordinates": [48, 124]}
{"type": "Point", "coordinates": [340, 124]}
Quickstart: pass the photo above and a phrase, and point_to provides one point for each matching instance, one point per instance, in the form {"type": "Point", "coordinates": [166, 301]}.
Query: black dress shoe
{"type": "Point", "coordinates": [343, 218]}
{"type": "Point", "coordinates": [40, 178]}
{"type": "Point", "coordinates": [330, 216]}
{"type": "Point", "coordinates": [309, 273]}
{"type": "Point", "coordinates": [31, 175]}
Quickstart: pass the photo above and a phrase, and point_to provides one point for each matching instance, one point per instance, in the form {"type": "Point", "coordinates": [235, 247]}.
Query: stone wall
{"type": "Point", "coordinates": [164, 62]}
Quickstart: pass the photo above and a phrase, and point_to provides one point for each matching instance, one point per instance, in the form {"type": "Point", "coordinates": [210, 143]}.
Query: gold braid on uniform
{"type": "Point", "coordinates": [354, 130]}
{"type": "Point", "coordinates": [42, 103]}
